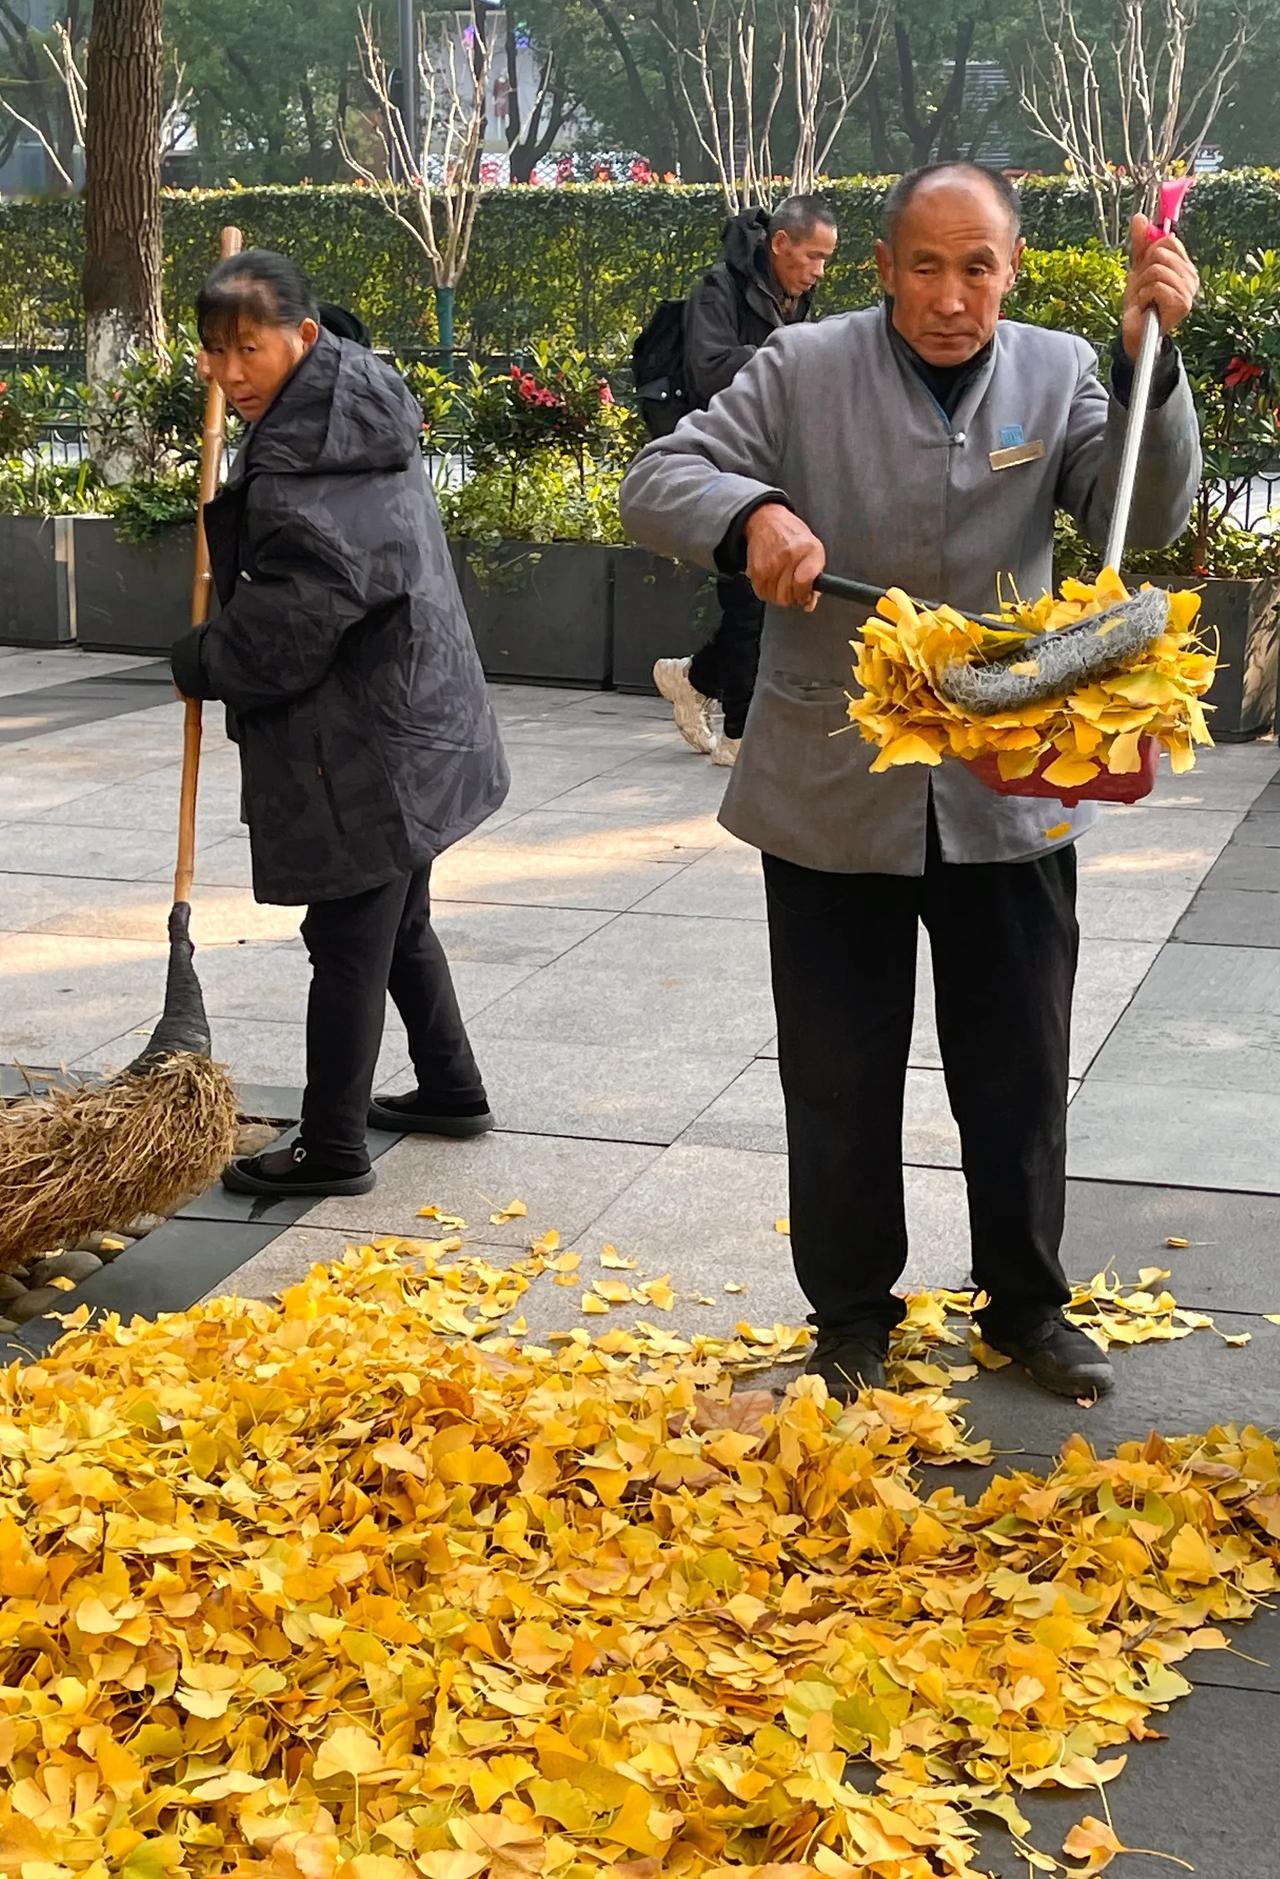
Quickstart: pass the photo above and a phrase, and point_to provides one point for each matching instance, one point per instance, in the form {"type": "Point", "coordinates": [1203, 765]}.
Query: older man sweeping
{"type": "Point", "coordinates": [925, 443]}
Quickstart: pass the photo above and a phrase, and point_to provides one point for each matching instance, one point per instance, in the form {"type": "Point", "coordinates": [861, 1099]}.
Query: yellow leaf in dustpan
{"type": "Point", "coordinates": [909, 748]}
{"type": "Point", "coordinates": [1071, 772]}
{"type": "Point", "coordinates": [1126, 756]}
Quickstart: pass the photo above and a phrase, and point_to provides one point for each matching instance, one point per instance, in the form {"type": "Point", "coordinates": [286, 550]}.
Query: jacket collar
{"type": "Point", "coordinates": [976, 373]}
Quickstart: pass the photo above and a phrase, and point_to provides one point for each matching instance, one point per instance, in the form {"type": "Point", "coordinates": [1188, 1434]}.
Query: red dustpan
{"type": "Point", "coordinates": [1105, 787]}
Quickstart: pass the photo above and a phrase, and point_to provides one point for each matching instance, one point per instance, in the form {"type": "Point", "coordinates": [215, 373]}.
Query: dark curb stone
{"type": "Point", "coordinates": [1221, 916]}
{"type": "Point", "coordinates": [1205, 1795]}
{"type": "Point", "coordinates": [28, 715]}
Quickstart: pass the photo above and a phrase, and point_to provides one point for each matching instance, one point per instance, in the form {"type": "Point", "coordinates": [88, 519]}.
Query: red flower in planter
{"type": "Point", "coordinates": [1241, 372]}
{"type": "Point", "coordinates": [4, 386]}
{"type": "Point", "coordinates": [606, 392]}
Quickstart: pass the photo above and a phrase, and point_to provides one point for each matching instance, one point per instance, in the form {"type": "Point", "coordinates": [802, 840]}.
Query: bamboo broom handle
{"type": "Point", "coordinates": [211, 443]}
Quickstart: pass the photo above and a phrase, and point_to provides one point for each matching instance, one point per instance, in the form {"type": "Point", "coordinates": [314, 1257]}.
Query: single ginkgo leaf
{"type": "Point", "coordinates": [514, 1210]}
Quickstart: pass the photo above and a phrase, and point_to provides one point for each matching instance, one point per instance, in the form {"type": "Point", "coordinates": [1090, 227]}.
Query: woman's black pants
{"type": "Point", "coordinates": [361, 948]}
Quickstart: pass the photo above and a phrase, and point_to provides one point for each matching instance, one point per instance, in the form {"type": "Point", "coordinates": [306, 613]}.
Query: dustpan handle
{"type": "Point", "coordinates": [1139, 400]}
{"type": "Point", "coordinates": [1172, 196]}
{"type": "Point", "coordinates": [211, 446]}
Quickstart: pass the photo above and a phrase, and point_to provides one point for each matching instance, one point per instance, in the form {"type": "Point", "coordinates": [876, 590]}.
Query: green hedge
{"type": "Point", "coordinates": [577, 266]}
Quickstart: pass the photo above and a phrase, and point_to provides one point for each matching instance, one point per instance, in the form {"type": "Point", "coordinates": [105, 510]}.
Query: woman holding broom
{"type": "Point", "coordinates": [367, 741]}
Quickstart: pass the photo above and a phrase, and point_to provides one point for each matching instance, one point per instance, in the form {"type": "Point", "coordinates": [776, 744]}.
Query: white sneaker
{"type": "Point", "coordinates": [692, 711]}
{"type": "Point", "coordinates": [724, 751]}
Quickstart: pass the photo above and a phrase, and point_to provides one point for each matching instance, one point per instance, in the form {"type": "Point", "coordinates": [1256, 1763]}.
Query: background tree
{"type": "Point", "coordinates": [1124, 107]}
{"type": "Point", "coordinates": [33, 90]}
{"type": "Point", "coordinates": [270, 84]}
{"type": "Point", "coordinates": [428, 178]}
{"type": "Point", "coordinates": [123, 247]}
{"type": "Point", "coordinates": [771, 89]}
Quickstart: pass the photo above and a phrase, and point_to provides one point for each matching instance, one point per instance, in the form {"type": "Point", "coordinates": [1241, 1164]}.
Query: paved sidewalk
{"type": "Point", "coordinates": [610, 953]}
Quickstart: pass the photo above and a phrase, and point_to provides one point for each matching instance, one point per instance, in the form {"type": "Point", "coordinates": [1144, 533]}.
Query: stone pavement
{"type": "Point", "coordinates": [608, 943]}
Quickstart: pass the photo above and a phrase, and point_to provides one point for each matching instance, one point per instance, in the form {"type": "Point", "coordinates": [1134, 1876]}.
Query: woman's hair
{"type": "Point", "coordinates": [258, 286]}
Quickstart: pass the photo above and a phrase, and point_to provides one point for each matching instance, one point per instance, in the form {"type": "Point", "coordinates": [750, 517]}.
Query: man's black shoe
{"type": "Point", "coordinates": [287, 1171]}
{"type": "Point", "coordinates": [420, 1114]}
{"type": "Point", "coordinates": [848, 1361]}
{"type": "Point", "coordinates": [1059, 1358]}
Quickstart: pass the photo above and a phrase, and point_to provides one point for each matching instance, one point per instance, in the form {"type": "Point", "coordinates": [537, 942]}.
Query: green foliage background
{"type": "Point", "coordinates": [577, 266]}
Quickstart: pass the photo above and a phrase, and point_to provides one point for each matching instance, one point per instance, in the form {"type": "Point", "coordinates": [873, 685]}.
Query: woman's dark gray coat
{"type": "Point", "coordinates": [367, 741]}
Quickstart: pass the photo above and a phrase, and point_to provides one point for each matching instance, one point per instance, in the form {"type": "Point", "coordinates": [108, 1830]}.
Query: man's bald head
{"type": "Point", "coordinates": [950, 253]}
{"type": "Point", "coordinates": [933, 177]}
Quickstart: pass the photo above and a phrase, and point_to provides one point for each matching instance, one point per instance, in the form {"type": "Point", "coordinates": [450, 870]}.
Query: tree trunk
{"type": "Point", "coordinates": [123, 247]}
{"type": "Point", "coordinates": [882, 158]}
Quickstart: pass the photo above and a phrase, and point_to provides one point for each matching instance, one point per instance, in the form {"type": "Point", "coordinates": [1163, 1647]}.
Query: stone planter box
{"type": "Point", "coordinates": [131, 596]}
{"type": "Point", "coordinates": [540, 610]}
{"type": "Point", "coordinates": [1247, 616]}
{"type": "Point", "coordinates": [661, 610]}
{"type": "Point", "coordinates": [37, 592]}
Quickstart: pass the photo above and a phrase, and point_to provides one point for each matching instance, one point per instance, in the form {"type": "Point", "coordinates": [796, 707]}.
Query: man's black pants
{"type": "Point", "coordinates": [725, 668]}
{"type": "Point", "coordinates": [362, 948]}
{"type": "Point", "coordinates": [1005, 943]}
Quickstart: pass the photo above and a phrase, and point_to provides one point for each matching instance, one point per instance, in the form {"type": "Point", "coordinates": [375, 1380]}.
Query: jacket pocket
{"type": "Point", "coordinates": [326, 782]}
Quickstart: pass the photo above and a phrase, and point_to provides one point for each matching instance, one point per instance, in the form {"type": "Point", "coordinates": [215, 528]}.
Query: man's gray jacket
{"type": "Point", "coordinates": [833, 419]}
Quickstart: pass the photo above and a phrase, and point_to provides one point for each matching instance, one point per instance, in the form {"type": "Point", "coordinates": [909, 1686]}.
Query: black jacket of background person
{"type": "Point", "coordinates": [734, 308]}
{"type": "Point", "coordinates": [367, 741]}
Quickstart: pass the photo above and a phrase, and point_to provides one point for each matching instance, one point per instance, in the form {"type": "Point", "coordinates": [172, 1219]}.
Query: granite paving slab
{"type": "Point", "coordinates": [725, 885]}
{"type": "Point", "coordinates": [1204, 1796]}
{"type": "Point", "coordinates": [1174, 1134]}
{"type": "Point", "coordinates": [486, 933]}
{"type": "Point", "coordinates": [709, 1213]}
{"type": "Point", "coordinates": [680, 783]}
{"type": "Point", "coordinates": [1232, 917]}
{"type": "Point", "coordinates": [218, 864]}
{"type": "Point", "coordinates": [1260, 830]}
{"type": "Point", "coordinates": [1167, 848]}
{"type": "Point", "coordinates": [642, 979]}
{"type": "Point", "coordinates": [22, 670]}
{"type": "Point", "coordinates": [563, 1182]}
{"type": "Point", "coordinates": [60, 998]}
{"type": "Point", "coordinates": [1130, 913]}
{"type": "Point", "coordinates": [1232, 1262]}
{"type": "Point", "coordinates": [1205, 1016]}
{"type": "Point", "coordinates": [1179, 1388]}
{"type": "Point", "coordinates": [255, 1050]}
{"type": "Point", "coordinates": [485, 870]}
{"type": "Point", "coordinates": [621, 1092]}
{"type": "Point", "coordinates": [1244, 869]}
{"type": "Point", "coordinates": [620, 835]}
{"type": "Point", "coordinates": [139, 910]}
{"type": "Point", "coordinates": [750, 1114]}
{"type": "Point", "coordinates": [85, 853]}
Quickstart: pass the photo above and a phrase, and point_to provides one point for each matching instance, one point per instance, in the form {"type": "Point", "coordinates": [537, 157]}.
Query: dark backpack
{"type": "Point", "coordinates": [657, 366]}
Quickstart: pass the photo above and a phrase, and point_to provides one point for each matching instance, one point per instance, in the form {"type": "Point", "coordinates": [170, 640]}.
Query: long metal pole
{"type": "Point", "coordinates": [409, 77]}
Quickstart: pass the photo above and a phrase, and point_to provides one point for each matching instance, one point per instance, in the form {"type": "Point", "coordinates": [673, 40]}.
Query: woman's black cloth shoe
{"type": "Point", "coordinates": [418, 1114]}
{"type": "Point", "coordinates": [848, 1361]}
{"type": "Point", "coordinates": [1058, 1357]}
{"type": "Point", "coordinates": [288, 1171]}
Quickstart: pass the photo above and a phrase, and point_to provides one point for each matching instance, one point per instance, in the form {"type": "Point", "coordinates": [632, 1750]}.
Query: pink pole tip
{"type": "Point", "coordinates": [1172, 196]}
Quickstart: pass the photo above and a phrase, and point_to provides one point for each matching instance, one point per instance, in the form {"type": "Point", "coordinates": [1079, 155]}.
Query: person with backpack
{"type": "Point", "coordinates": [768, 277]}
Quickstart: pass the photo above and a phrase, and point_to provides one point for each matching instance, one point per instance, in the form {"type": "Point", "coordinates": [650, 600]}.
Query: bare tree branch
{"type": "Point", "coordinates": [1140, 125]}
{"type": "Point", "coordinates": [437, 202]}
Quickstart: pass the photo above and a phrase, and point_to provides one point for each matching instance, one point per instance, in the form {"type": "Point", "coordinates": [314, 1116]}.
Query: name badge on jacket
{"type": "Point", "coordinates": [1015, 449]}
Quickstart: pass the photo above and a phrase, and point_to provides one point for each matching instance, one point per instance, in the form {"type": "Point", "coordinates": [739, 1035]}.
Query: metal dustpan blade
{"type": "Point", "coordinates": [184, 1024]}
{"type": "Point", "coordinates": [1053, 664]}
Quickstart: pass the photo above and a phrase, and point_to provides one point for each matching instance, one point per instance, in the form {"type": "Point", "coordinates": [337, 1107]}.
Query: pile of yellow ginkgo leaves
{"type": "Point", "coordinates": [1097, 728]}
{"type": "Point", "coordinates": [320, 1592]}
